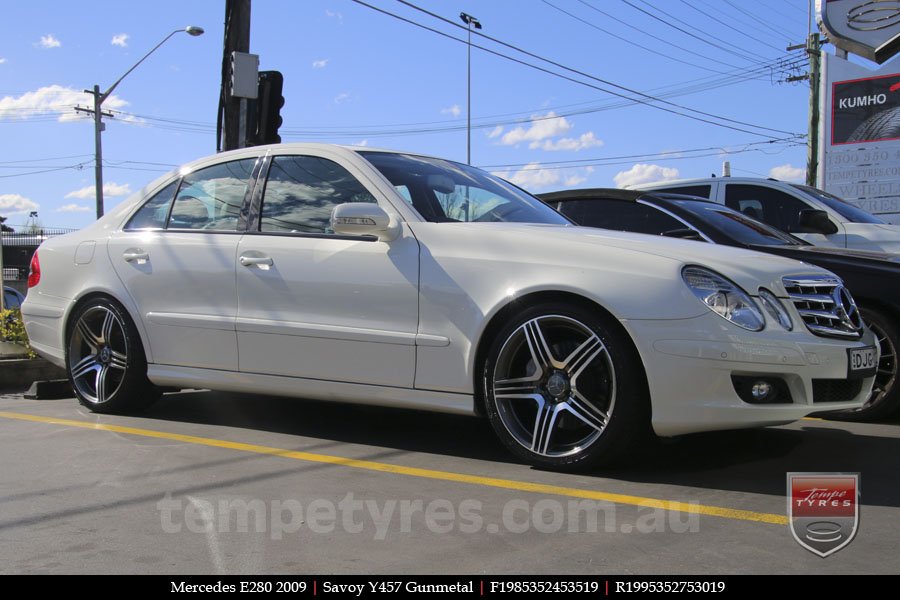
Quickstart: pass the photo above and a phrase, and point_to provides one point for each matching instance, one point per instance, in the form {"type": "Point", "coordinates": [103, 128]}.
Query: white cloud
{"type": "Point", "coordinates": [362, 143]}
{"type": "Point", "coordinates": [335, 15]}
{"type": "Point", "coordinates": [2, 60]}
{"type": "Point", "coordinates": [48, 41]}
{"type": "Point", "coordinates": [578, 177]}
{"type": "Point", "coordinates": [644, 173]}
{"type": "Point", "coordinates": [788, 172]}
{"type": "Point", "coordinates": [542, 127]}
{"type": "Point", "coordinates": [11, 204]}
{"type": "Point", "coordinates": [120, 40]}
{"type": "Point", "coordinates": [110, 190]}
{"type": "Point", "coordinates": [342, 97]}
{"type": "Point", "coordinates": [495, 132]}
{"type": "Point", "coordinates": [585, 140]}
{"type": "Point", "coordinates": [531, 176]}
{"type": "Point", "coordinates": [73, 208]}
{"type": "Point", "coordinates": [452, 110]}
{"type": "Point", "coordinates": [52, 99]}
{"type": "Point", "coordinates": [321, 63]}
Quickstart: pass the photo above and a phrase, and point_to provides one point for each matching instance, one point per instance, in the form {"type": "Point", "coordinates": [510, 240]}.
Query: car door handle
{"type": "Point", "coordinates": [259, 261]}
{"type": "Point", "coordinates": [136, 255]}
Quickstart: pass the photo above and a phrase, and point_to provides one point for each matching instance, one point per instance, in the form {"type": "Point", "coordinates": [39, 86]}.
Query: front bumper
{"type": "Point", "coordinates": [690, 363]}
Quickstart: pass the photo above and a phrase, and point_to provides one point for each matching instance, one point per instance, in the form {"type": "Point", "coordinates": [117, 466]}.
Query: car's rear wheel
{"type": "Point", "coordinates": [105, 359]}
{"type": "Point", "coordinates": [564, 389]}
{"type": "Point", "coordinates": [885, 398]}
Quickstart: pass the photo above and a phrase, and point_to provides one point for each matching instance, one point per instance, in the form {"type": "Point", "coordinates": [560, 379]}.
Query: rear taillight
{"type": "Point", "coordinates": [34, 272]}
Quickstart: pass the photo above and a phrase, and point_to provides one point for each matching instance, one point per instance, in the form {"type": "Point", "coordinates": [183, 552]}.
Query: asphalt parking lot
{"type": "Point", "coordinates": [206, 482]}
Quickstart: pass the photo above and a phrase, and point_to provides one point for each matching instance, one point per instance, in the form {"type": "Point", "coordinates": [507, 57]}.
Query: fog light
{"type": "Point", "coordinates": [761, 390]}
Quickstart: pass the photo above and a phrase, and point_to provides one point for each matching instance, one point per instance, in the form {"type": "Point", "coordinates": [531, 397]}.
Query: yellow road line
{"type": "Point", "coordinates": [508, 484]}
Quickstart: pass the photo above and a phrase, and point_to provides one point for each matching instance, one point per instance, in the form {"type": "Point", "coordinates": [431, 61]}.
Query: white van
{"type": "Point", "coordinates": [809, 213]}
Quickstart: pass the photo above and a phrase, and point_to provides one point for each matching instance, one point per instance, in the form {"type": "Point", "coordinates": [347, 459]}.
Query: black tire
{"type": "Point", "coordinates": [105, 359]}
{"type": "Point", "coordinates": [586, 407]}
{"type": "Point", "coordinates": [880, 126]}
{"type": "Point", "coordinates": [885, 398]}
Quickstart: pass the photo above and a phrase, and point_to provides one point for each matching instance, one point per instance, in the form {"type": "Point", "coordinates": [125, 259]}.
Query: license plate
{"type": "Point", "coordinates": [861, 362]}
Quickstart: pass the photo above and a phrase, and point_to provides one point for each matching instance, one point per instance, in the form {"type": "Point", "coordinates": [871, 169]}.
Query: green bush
{"type": "Point", "coordinates": [12, 329]}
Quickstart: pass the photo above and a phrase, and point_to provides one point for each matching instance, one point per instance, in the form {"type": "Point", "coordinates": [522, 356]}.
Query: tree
{"type": "Point", "coordinates": [4, 227]}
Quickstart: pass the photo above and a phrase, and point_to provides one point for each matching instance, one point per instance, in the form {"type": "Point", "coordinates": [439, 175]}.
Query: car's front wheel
{"type": "Point", "coordinates": [105, 359]}
{"type": "Point", "coordinates": [885, 398]}
{"type": "Point", "coordinates": [564, 389]}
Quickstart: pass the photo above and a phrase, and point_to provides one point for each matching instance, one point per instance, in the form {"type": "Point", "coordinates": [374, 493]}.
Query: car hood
{"type": "Point", "coordinates": [585, 246]}
{"type": "Point", "coordinates": [851, 254]}
{"type": "Point", "coordinates": [873, 236]}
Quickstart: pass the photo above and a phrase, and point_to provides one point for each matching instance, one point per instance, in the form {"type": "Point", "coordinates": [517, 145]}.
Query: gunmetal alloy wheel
{"type": "Point", "coordinates": [554, 385]}
{"type": "Point", "coordinates": [885, 398]}
{"type": "Point", "coordinates": [886, 375]}
{"type": "Point", "coordinates": [106, 361]}
{"type": "Point", "coordinates": [98, 356]}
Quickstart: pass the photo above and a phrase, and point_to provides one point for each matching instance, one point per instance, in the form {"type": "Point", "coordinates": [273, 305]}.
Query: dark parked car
{"type": "Point", "coordinates": [873, 277]}
{"type": "Point", "coordinates": [12, 298]}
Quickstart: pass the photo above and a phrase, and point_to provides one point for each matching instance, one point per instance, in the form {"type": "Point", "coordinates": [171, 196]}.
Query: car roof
{"type": "Point", "coordinates": [590, 193]}
{"type": "Point", "coordinates": [617, 194]}
{"type": "Point", "coordinates": [704, 180]}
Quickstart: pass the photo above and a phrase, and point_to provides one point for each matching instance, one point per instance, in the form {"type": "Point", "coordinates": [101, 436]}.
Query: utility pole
{"type": "Point", "coordinates": [814, 51]}
{"type": "Point", "coordinates": [99, 126]}
{"type": "Point", "coordinates": [232, 118]}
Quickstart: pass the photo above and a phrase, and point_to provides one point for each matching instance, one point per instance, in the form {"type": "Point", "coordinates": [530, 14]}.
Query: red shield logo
{"type": "Point", "coordinates": [823, 509]}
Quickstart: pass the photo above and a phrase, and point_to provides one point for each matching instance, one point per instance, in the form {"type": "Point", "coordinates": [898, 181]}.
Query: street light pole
{"type": "Point", "coordinates": [100, 98]}
{"type": "Point", "coordinates": [470, 22]}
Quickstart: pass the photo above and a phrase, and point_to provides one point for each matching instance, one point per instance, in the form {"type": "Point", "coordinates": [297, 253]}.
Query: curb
{"type": "Point", "coordinates": [20, 373]}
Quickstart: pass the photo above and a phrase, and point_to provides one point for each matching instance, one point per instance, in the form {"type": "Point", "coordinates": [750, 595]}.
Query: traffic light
{"type": "Point", "coordinates": [269, 103]}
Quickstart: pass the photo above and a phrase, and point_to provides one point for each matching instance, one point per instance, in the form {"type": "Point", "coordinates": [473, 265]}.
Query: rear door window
{"type": "Point", "coordinates": [765, 204]}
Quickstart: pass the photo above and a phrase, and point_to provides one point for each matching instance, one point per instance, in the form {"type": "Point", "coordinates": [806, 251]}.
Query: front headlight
{"type": "Point", "coordinates": [775, 309]}
{"type": "Point", "coordinates": [723, 297]}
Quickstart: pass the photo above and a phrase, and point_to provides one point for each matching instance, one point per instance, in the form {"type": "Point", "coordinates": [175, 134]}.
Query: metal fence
{"type": "Point", "coordinates": [18, 247]}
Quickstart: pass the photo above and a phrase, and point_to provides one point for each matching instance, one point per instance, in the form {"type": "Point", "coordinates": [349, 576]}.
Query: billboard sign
{"type": "Point", "coordinates": [860, 135]}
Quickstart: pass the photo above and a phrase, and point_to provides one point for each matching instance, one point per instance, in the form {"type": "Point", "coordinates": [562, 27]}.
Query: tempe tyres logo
{"type": "Point", "coordinates": [823, 509]}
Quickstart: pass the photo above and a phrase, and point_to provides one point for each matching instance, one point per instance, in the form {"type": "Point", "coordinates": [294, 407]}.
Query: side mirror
{"type": "Point", "coordinates": [363, 218]}
{"type": "Point", "coordinates": [815, 221]}
{"type": "Point", "coordinates": [685, 233]}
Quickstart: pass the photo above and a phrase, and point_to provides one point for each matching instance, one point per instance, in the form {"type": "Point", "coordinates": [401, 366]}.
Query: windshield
{"type": "Point", "coordinates": [443, 191]}
{"type": "Point", "coordinates": [854, 214]}
{"type": "Point", "coordinates": [737, 226]}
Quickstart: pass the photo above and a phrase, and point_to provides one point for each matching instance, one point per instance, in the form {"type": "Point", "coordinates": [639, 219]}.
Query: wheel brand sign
{"type": "Point", "coordinates": [868, 28]}
{"type": "Point", "coordinates": [823, 509]}
{"type": "Point", "coordinates": [859, 137]}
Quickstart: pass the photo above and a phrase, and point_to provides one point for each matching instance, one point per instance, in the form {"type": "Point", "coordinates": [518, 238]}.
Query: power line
{"type": "Point", "coordinates": [50, 170]}
{"type": "Point", "coordinates": [629, 25]}
{"type": "Point", "coordinates": [731, 15]}
{"type": "Point", "coordinates": [758, 20]}
{"type": "Point", "coordinates": [720, 21]}
{"type": "Point", "coordinates": [686, 32]}
{"type": "Point", "coordinates": [649, 99]}
{"type": "Point", "coordinates": [659, 158]}
{"type": "Point", "coordinates": [746, 147]}
{"type": "Point", "coordinates": [753, 56]}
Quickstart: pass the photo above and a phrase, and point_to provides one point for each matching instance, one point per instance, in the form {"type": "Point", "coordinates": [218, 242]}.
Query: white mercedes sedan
{"type": "Point", "coordinates": [388, 278]}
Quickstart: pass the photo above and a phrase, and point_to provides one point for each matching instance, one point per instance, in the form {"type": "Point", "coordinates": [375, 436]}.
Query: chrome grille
{"type": "Point", "coordinates": [825, 305]}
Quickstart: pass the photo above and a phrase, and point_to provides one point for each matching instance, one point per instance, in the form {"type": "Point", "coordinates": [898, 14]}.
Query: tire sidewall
{"type": "Point", "coordinates": [630, 415]}
{"type": "Point", "coordinates": [135, 392]}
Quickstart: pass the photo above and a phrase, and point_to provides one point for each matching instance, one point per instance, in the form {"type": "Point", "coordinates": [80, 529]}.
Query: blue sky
{"type": "Point", "coordinates": [357, 76]}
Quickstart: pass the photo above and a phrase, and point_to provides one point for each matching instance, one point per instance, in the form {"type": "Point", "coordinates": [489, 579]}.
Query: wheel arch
{"type": "Point", "coordinates": [92, 294]}
{"type": "Point", "coordinates": [503, 314]}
